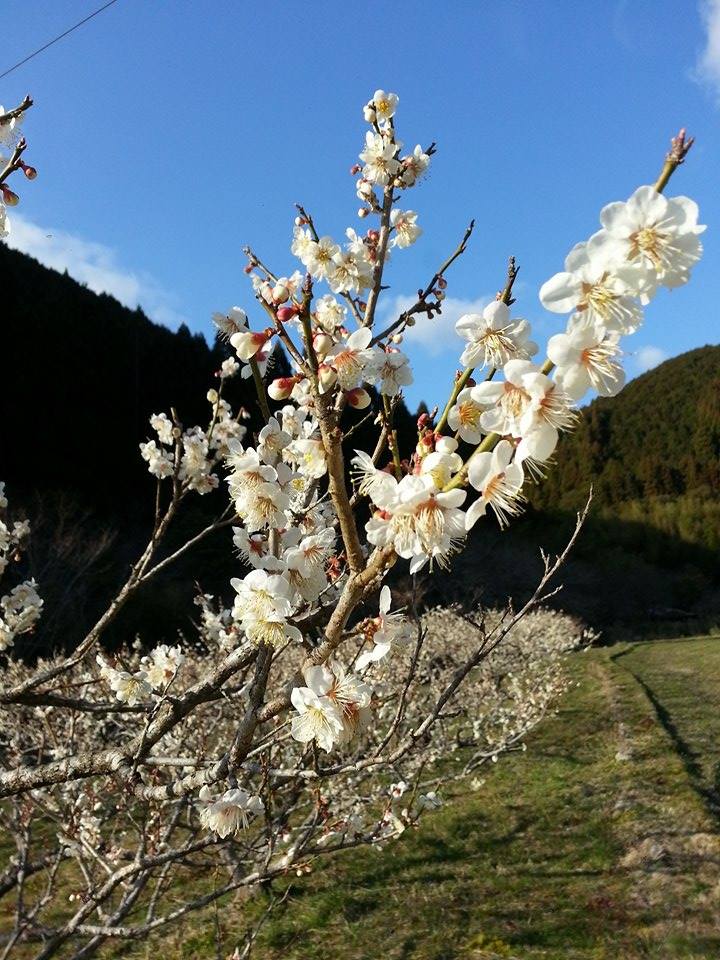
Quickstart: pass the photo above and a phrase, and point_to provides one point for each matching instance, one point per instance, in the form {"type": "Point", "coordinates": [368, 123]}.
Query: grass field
{"type": "Point", "coordinates": [602, 841]}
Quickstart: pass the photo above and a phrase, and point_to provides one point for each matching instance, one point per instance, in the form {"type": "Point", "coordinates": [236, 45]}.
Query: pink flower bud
{"type": "Point", "coordinates": [281, 388]}
{"type": "Point", "coordinates": [11, 199]}
{"type": "Point", "coordinates": [30, 172]}
{"type": "Point", "coordinates": [285, 313]}
{"type": "Point", "coordinates": [358, 398]}
{"type": "Point", "coordinates": [355, 169]}
{"type": "Point", "coordinates": [248, 343]}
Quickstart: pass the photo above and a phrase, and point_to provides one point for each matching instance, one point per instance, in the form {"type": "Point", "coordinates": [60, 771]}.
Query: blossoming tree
{"type": "Point", "coordinates": [308, 720]}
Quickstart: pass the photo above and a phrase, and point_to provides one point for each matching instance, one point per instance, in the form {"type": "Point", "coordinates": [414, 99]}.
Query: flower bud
{"type": "Point", "coordinates": [285, 313]}
{"type": "Point", "coordinates": [280, 293]}
{"type": "Point", "coordinates": [212, 396]}
{"type": "Point", "coordinates": [11, 199]}
{"type": "Point", "coordinates": [281, 388]}
{"type": "Point", "coordinates": [249, 343]}
{"type": "Point", "coordinates": [322, 343]}
{"type": "Point", "coordinates": [358, 398]}
{"type": "Point", "coordinates": [397, 338]}
{"type": "Point", "coordinates": [30, 172]}
{"type": "Point", "coordinates": [363, 212]}
{"type": "Point", "coordinates": [369, 113]}
{"type": "Point", "coordinates": [248, 269]}
{"type": "Point", "coordinates": [355, 169]}
{"type": "Point", "coordinates": [327, 376]}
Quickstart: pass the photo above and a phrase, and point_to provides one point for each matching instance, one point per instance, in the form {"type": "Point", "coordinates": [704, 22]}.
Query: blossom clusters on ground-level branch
{"type": "Point", "coordinates": [313, 710]}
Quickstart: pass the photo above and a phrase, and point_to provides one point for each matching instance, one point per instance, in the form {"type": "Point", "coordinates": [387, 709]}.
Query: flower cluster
{"type": "Point", "coordinates": [190, 456]}
{"type": "Point", "coordinates": [20, 609]}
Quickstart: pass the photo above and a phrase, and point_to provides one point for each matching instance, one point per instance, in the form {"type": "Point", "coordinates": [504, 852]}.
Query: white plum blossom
{"type": "Point", "coordinates": [587, 358]}
{"type": "Point", "coordinates": [595, 289]}
{"type": "Point", "coordinates": [505, 401]}
{"type": "Point", "coordinates": [230, 323]}
{"type": "Point", "coordinates": [228, 368]}
{"type": "Point", "coordinates": [422, 523]}
{"type": "Point", "coordinates": [493, 337]}
{"type": "Point", "coordinates": [391, 370]}
{"type": "Point", "coordinates": [464, 417]}
{"type": "Point", "coordinates": [414, 166]}
{"type": "Point", "coordinates": [405, 228]}
{"type": "Point", "coordinates": [159, 461]}
{"type": "Point", "coordinates": [329, 314]}
{"type": "Point", "coordinates": [129, 688]}
{"type": "Point", "coordinates": [654, 233]}
{"type": "Point", "coordinates": [385, 630]}
{"type": "Point", "coordinates": [349, 359]}
{"type": "Point", "coordinates": [319, 718]}
{"type": "Point", "coordinates": [162, 664]}
{"type": "Point", "coordinates": [379, 159]}
{"type": "Point", "coordinates": [384, 105]}
{"type": "Point", "coordinates": [229, 813]}
{"type": "Point", "coordinates": [499, 483]}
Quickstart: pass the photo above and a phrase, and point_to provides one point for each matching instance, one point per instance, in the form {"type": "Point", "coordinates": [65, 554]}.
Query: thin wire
{"type": "Point", "coordinates": [55, 40]}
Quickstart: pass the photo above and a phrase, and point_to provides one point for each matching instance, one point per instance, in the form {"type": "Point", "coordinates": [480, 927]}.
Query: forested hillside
{"type": "Point", "coordinates": [652, 453]}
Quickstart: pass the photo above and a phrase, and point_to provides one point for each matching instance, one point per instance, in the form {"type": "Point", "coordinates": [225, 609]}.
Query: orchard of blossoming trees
{"type": "Point", "coordinates": [309, 716]}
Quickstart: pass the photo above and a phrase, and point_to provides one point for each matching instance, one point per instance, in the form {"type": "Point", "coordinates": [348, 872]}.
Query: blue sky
{"type": "Point", "coordinates": [169, 133]}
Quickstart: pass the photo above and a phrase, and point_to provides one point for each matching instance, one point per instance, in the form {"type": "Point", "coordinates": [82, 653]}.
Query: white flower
{"type": "Point", "coordinates": [404, 223]}
{"type": "Point", "coordinates": [391, 369]}
{"type": "Point", "coordinates": [419, 522]}
{"type": "Point", "coordinates": [234, 321]}
{"type": "Point", "coordinates": [385, 104]}
{"type": "Point", "coordinates": [329, 314]}
{"type": "Point", "coordinates": [379, 159]}
{"type": "Point", "coordinates": [261, 594]}
{"type": "Point", "coordinates": [464, 417]}
{"type": "Point", "coordinates": [350, 358]}
{"type": "Point", "coordinates": [499, 483]}
{"type": "Point", "coordinates": [414, 166]}
{"type": "Point", "coordinates": [658, 233]}
{"type": "Point", "coordinates": [493, 337]}
{"type": "Point", "coordinates": [229, 368]}
{"type": "Point", "coordinates": [509, 399]}
{"type": "Point", "coordinates": [585, 358]}
{"type": "Point", "coordinates": [309, 456]}
{"type": "Point", "coordinates": [319, 718]}
{"type": "Point", "coordinates": [443, 462]}
{"type": "Point", "coordinates": [311, 553]}
{"type": "Point", "coordinates": [247, 344]}
{"type": "Point", "coordinates": [429, 801]}
{"type": "Point", "coordinates": [595, 288]}
{"type": "Point", "coordinates": [159, 462]}
{"type": "Point", "coordinates": [162, 664]}
{"type": "Point", "coordinates": [163, 427]}
{"type": "Point", "coordinates": [230, 813]}
{"type": "Point", "coordinates": [319, 260]}
{"type": "Point", "coordinates": [396, 790]}
{"type": "Point", "coordinates": [272, 440]}
{"type": "Point", "coordinates": [386, 629]}
{"type": "Point", "coordinates": [129, 688]}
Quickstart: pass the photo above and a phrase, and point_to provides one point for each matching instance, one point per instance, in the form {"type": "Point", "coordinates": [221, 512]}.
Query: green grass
{"type": "Point", "coordinates": [602, 841]}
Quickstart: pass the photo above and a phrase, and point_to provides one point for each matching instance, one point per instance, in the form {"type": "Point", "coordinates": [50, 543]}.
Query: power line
{"type": "Point", "coordinates": [55, 39]}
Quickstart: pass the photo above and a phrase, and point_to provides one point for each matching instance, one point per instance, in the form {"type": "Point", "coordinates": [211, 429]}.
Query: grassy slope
{"type": "Point", "coordinates": [601, 842]}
